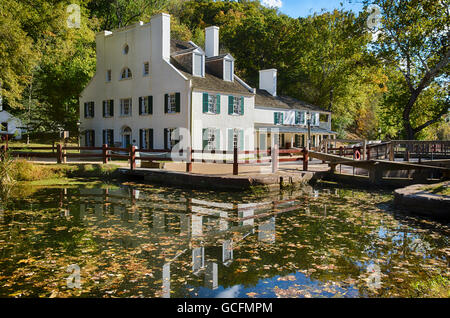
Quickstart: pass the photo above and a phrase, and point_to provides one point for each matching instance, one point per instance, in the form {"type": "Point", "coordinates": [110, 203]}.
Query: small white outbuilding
{"type": "Point", "coordinates": [10, 125]}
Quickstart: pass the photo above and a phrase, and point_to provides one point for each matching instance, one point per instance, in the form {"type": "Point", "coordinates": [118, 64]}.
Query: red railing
{"type": "Point", "coordinates": [106, 153]}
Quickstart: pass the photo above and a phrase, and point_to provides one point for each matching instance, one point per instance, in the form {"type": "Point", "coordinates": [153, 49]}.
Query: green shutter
{"type": "Point", "coordinates": [166, 103]}
{"type": "Point", "coordinates": [241, 139]}
{"type": "Point", "coordinates": [230, 105]}
{"type": "Point", "coordinates": [141, 139]}
{"type": "Point", "coordinates": [205, 102]}
{"type": "Point", "coordinates": [104, 137]}
{"type": "Point", "coordinates": [104, 108]}
{"type": "Point", "coordinates": [281, 118]}
{"type": "Point", "coordinates": [166, 145]}
{"type": "Point", "coordinates": [140, 106]}
{"type": "Point", "coordinates": [112, 108]}
{"type": "Point", "coordinates": [217, 135]}
{"type": "Point", "coordinates": [150, 105]}
{"type": "Point", "coordinates": [297, 118]}
{"type": "Point", "coordinates": [150, 138]}
{"type": "Point", "coordinates": [218, 104]}
{"type": "Point", "coordinates": [230, 139]}
{"type": "Point", "coordinates": [177, 102]}
{"type": "Point", "coordinates": [204, 138]}
{"type": "Point", "coordinates": [242, 106]}
{"type": "Point", "coordinates": [275, 118]}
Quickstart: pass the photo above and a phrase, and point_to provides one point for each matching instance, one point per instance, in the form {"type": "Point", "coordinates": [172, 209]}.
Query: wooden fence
{"type": "Point", "coordinates": [132, 155]}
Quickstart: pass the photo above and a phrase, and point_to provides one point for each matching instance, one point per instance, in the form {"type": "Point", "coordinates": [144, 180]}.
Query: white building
{"type": "Point", "coordinates": [10, 125]}
{"type": "Point", "coordinates": [147, 85]}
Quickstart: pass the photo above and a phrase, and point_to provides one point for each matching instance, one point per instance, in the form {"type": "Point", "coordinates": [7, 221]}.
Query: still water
{"type": "Point", "coordinates": [149, 241]}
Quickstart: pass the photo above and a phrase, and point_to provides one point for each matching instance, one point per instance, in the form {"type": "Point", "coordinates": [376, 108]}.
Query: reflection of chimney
{"type": "Point", "coordinates": [268, 81]}
{"type": "Point", "coordinates": [212, 41]}
{"type": "Point", "coordinates": [160, 25]}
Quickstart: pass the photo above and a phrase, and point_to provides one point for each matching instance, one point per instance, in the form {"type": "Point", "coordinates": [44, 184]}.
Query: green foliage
{"type": "Point", "coordinates": [413, 39]}
{"type": "Point", "coordinates": [395, 87]}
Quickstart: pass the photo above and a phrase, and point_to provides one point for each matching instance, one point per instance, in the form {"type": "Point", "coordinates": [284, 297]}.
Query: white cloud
{"type": "Point", "coordinates": [272, 3]}
{"type": "Point", "coordinates": [232, 292]}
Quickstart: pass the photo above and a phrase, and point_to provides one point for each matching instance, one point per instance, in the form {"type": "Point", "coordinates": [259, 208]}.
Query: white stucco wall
{"type": "Point", "coordinates": [222, 121]}
{"type": "Point", "coordinates": [145, 43]}
{"type": "Point", "coordinates": [13, 124]}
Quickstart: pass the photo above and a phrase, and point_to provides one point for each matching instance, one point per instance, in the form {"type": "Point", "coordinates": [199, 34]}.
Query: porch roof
{"type": "Point", "coordinates": [296, 129]}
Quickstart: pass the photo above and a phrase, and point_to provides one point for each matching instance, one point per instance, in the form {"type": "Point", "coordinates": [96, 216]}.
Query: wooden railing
{"type": "Point", "coordinates": [388, 150]}
{"type": "Point", "coordinates": [131, 154]}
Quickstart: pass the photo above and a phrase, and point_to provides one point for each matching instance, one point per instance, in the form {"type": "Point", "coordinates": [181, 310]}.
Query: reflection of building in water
{"type": "Point", "coordinates": [212, 276]}
{"type": "Point", "coordinates": [204, 230]}
{"type": "Point", "coordinates": [227, 252]}
{"type": "Point", "coordinates": [166, 280]}
{"type": "Point", "coordinates": [266, 231]}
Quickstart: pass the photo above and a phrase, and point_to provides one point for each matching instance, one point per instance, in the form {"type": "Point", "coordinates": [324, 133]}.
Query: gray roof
{"type": "Point", "coordinates": [295, 129]}
{"type": "Point", "coordinates": [264, 98]}
{"type": "Point", "coordinates": [209, 82]}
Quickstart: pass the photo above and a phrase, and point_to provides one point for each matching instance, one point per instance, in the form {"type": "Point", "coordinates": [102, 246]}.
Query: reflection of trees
{"type": "Point", "coordinates": [149, 242]}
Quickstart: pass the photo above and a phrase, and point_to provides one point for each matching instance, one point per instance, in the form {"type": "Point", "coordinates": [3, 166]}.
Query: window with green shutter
{"type": "Point", "coordinates": [211, 139]}
{"type": "Point", "coordinates": [235, 105]}
{"type": "Point", "coordinates": [172, 103]}
{"type": "Point", "coordinates": [211, 103]}
{"type": "Point", "coordinates": [278, 118]}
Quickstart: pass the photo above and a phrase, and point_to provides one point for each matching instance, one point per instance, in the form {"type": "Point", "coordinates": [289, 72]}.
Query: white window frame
{"type": "Point", "coordinates": [108, 76]}
{"type": "Point", "coordinates": [145, 105]}
{"type": "Point", "coordinates": [212, 104]}
{"type": "Point", "coordinates": [127, 72]}
{"type": "Point", "coordinates": [237, 102]}
{"type": "Point", "coordinates": [172, 104]}
{"type": "Point", "coordinates": [90, 105]}
{"type": "Point", "coordinates": [123, 105]}
{"type": "Point", "coordinates": [211, 139]}
{"type": "Point", "coordinates": [88, 137]}
{"type": "Point", "coordinates": [109, 103]}
{"type": "Point", "coordinates": [146, 69]}
{"type": "Point", "coordinates": [225, 63]}
{"type": "Point", "coordinates": [202, 64]}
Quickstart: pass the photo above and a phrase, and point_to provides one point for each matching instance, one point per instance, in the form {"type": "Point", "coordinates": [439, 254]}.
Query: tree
{"type": "Point", "coordinates": [414, 38]}
{"type": "Point", "coordinates": [17, 56]}
{"type": "Point", "coordinates": [120, 13]}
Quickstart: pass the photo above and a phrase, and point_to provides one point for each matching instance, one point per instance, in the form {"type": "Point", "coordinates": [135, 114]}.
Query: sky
{"type": "Point", "coordinates": [303, 8]}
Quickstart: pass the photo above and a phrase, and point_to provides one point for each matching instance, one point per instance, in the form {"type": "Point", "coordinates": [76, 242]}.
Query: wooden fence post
{"type": "Point", "coordinates": [364, 153]}
{"type": "Point", "coordinates": [235, 161]}
{"type": "Point", "coordinates": [2, 152]}
{"type": "Point", "coordinates": [105, 153]}
{"type": "Point", "coordinates": [391, 151]}
{"type": "Point", "coordinates": [189, 160]}
{"type": "Point", "coordinates": [275, 156]}
{"type": "Point", "coordinates": [132, 157]}
{"type": "Point", "coordinates": [305, 159]}
{"type": "Point", "coordinates": [59, 153]}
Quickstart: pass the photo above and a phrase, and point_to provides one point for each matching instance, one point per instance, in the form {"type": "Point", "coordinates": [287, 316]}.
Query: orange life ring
{"type": "Point", "coordinates": [357, 155]}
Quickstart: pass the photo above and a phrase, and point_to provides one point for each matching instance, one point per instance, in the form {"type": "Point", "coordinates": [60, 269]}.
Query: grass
{"type": "Point", "coordinates": [440, 189]}
{"type": "Point", "coordinates": [44, 174]}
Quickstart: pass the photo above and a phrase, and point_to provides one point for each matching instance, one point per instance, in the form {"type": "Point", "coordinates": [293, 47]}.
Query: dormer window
{"type": "Point", "coordinates": [126, 73]}
{"type": "Point", "coordinates": [126, 49]}
{"type": "Point", "coordinates": [228, 70]}
{"type": "Point", "coordinates": [198, 67]}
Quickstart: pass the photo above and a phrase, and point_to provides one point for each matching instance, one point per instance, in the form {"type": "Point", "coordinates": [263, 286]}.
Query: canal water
{"type": "Point", "coordinates": [149, 241]}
